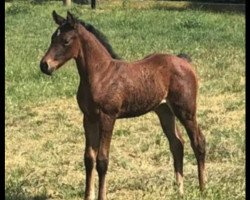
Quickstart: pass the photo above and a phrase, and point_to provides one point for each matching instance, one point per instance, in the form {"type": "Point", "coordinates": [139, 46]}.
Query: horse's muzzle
{"type": "Point", "coordinates": [45, 68]}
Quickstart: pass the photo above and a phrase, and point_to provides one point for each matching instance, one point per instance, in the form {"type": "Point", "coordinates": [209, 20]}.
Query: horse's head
{"type": "Point", "coordinates": [65, 44]}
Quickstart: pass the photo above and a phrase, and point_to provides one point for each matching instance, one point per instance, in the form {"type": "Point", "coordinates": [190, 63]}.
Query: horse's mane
{"type": "Point", "coordinates": [101, 37]}
{"type": "Point", "coordinates": [104, 41]}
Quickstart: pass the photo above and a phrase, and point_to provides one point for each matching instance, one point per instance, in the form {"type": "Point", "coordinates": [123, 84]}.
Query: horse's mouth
{"type": "Point", "coordinates": [47, 72]}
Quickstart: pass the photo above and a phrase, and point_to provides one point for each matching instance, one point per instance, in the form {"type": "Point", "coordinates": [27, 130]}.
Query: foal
{"type": "Point", "coordinates": [110, 89]}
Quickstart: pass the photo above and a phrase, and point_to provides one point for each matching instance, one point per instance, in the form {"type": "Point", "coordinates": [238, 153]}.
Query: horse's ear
{"type": "Point", "coordinates": [71, 19]}
{"type": "Point", "coordinates": [57, 18]}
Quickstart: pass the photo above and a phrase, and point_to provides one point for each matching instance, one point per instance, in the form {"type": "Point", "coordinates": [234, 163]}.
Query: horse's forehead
{"type": "Point", "coordinates": [58, 31]}
{"type": "Point", "coordinates": [61, 29]}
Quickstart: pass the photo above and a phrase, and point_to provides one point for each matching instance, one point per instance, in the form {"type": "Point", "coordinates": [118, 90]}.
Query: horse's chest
{"type": "Point", "coordinates": [85, 101]}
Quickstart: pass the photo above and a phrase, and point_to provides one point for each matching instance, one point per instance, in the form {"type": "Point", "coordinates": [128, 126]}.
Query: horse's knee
{"type": "Point", "coordinates": [89, 161]}
{"type": "Point", "coordinates": [176, 147]}
{"type": "Point", "coordinates": [102, 166]}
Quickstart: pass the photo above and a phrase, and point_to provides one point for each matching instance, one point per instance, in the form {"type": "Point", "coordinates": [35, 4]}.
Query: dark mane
{"type": "Point", "coordinates": [101, 37]}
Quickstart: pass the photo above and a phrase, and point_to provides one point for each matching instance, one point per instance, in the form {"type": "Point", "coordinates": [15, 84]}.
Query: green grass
{"type": "Point", "coordinates": [44, 134]}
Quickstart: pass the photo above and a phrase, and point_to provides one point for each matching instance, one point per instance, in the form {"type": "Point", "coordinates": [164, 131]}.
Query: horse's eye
{"type": "Point", "coordinates": [66, 42]}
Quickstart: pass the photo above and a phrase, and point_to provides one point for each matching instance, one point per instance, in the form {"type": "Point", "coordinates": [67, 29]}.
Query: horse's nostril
{"type": "Point", "coordinates": [44, 67]}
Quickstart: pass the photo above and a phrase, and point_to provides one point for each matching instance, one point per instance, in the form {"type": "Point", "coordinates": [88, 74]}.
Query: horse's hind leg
{"type": "Point", "coordinates": [91, 127]}
{"type": "Point", "coordinates": [186, 113]}
{"type": "Point", "coordinates": [167, 120]}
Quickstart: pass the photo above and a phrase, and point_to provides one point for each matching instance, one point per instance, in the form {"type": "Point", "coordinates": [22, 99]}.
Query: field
{"type": "Point", "coordinates": [44, 140]}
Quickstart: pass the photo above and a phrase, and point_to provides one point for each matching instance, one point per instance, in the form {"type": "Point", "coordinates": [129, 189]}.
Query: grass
{"type": "Point", "coordinates": [44, 134]}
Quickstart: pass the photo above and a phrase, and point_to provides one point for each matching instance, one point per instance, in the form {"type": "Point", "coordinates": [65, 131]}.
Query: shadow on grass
{"type": "Point", "coordinates": [84, 2]}
{"type": "Point", "coordinates": [14, 190]}
{"type": "Point", "coordinates": [17, 190]}
{"type": "Point", "coordinates": [24, 197]}
{"type": "Point", "coordinates": [211, 7]}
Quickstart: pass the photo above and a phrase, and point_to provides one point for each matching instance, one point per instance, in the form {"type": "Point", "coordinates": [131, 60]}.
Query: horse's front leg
{"type": "Point", "coordinates": [106, 129]}
{"type": "Point", "coordinates": [91, 127]}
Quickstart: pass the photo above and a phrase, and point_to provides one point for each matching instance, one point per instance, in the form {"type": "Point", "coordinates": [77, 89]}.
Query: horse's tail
{"type": "Point", "coordinates": [185, 56]}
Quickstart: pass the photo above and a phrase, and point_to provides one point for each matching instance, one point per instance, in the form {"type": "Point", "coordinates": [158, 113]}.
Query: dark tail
{"type": "Point", "coordinates": [185, 56]}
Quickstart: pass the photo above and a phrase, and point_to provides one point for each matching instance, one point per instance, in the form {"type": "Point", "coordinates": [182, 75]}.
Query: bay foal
{"type": "Point", "coordinates": [110, 89]}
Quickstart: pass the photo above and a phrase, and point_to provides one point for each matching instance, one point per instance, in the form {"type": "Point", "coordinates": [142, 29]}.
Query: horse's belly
{"type": "Point", "coordinates": [139, 107]}
{"type": "Point", "coordinates": [132, 114]}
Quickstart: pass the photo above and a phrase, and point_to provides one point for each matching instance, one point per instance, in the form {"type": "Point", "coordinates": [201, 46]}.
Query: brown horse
{"type": "Point", "coordinates": [110, 89]}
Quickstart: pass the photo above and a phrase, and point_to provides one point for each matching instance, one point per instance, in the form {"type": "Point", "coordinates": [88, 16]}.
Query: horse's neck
{"type": "Point", "coordinates": [92, 55]}
{"type": "Point", "coordinates": [94, 52]}
{"type": "Point", "coordinates": [82, 68]}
